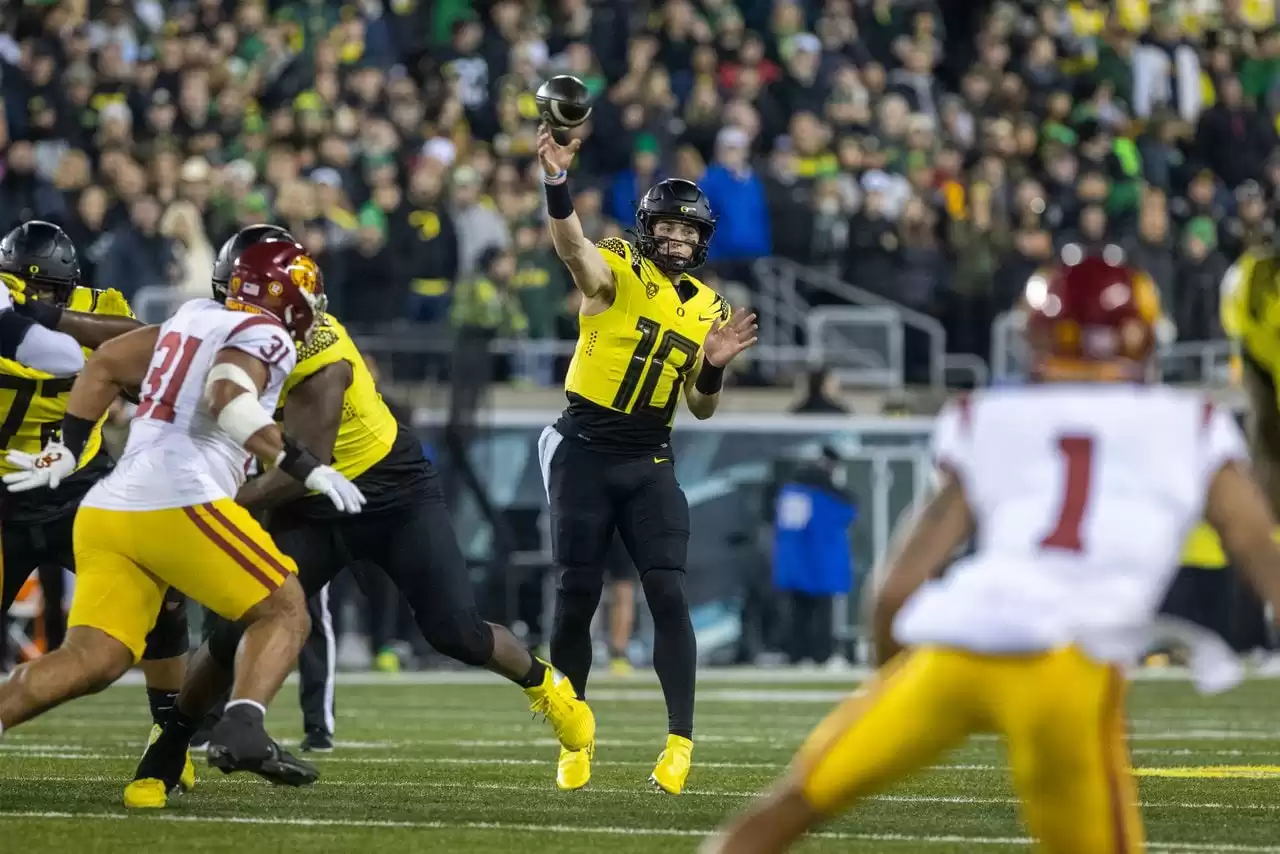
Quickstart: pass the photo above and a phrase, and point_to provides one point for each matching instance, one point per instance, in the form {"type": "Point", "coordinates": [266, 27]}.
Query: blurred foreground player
{"type": "Point", "coordinates": [649, 333]}
{"type": "Point", "coordinates": [40, 261]}
{"type": "Point", "coordinates": [330, 403]}
{"type": "Point", "coordinates": [1250, 308]}
{"type": "Point", "coordinates": [210, 377]}
{"type": "Point", "coordinates": [1083, 486]}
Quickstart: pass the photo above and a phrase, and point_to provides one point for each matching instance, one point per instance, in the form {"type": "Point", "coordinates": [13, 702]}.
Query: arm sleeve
{"type": "Point", "coordinates": [42, 349]}
{"type": "Point", "coordinates": [267, 340]}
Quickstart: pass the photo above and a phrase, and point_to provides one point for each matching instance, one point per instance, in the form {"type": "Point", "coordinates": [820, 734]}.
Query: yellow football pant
{"type": "Point", "coordinates": [1061, 713]}
{"type": "Point", "coordinates": [126, 560]}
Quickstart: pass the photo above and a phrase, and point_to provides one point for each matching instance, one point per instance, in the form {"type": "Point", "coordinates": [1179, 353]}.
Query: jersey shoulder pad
{"type": "Point", "coordinates": [323, 341]}
{"type": "Point", "coordinates": [617, 248]}
{"type": "Point", "coordinates": [324, 348]}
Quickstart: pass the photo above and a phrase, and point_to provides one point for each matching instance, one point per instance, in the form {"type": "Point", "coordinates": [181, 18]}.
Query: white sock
{"type": "Point", "coordinates": [233, 703]}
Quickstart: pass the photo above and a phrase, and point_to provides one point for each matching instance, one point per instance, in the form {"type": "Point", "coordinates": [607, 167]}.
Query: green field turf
{"type": "Point", "coordinates": [464, 768]}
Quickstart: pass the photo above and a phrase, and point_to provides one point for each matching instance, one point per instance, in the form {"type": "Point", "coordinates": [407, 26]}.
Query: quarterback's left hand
{"type": "Point", "coordinates": [49, 468]}
{"type": "Point", "coordinates": [725, 342]}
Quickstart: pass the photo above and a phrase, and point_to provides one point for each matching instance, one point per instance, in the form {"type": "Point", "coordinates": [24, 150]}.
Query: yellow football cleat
{"type": "Point", "coordinates": [150, 793]}
{"type": "Point", "coordinates": [571, 717]}
{"type": "Point", "coordinates": [621, 667]}
{"type": "Point", "coordinates": [574, 769]}
{"type": "Point", "coordinates": [147, 794]}
{"type": "Point", "coordinates": [188, 779]}
{"type": "Point", "coordinates": [672, 769]}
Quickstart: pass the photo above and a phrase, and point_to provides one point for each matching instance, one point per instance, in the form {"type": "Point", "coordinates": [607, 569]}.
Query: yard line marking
{"type": "Point", "coordinates": [639, 790]}
{"type": "Point", "coordinates": [954, 839]}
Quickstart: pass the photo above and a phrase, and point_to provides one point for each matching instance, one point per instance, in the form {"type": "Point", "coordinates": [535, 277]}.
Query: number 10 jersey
{"type": "Point", "coordinates": [177, 455]}
{"type": "Point", "coordinates": [632, 359]}
{"type": "Point", "coordinates": [1082, 497]}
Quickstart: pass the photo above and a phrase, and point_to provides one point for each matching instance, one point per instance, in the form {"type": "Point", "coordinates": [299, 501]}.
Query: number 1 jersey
{"type": "Point", "coordinates": [632, 359]}
{"type": "Point", "coordinates": [177, 455]}
{"type": "Point", "coordinates": [1082, 496]}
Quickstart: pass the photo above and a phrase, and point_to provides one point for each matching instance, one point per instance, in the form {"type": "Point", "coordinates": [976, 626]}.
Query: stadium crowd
{"type": "Point", "coordinates": [933, 153]}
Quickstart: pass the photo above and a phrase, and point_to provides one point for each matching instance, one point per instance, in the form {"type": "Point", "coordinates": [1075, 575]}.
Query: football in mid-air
{"type": "Point", "coordinates": [564, 101]}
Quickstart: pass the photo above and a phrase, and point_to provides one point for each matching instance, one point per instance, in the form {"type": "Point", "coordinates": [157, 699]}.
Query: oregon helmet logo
{"type": "Point", "coordinates": [685, 209]}
{"type": "Point", "coordinates": [34, 269]}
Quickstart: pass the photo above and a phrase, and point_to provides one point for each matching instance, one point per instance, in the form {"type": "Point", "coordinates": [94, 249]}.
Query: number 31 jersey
{"type": "Point", "coordinates": [177, 455]}
{"type": "Point", "coordinates": [632, 359]}
{"type": "Point", "coordinates": [1082, 496]}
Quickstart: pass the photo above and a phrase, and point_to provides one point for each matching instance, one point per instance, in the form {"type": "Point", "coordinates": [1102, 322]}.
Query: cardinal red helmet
{"type": "Point", "coordinates": [1092, 319]}
{"type": "Point", "coordinates": [279, 279]}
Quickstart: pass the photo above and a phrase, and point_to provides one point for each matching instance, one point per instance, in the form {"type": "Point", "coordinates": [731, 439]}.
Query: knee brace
{"type": "Point", "coordinates": [462, 636]}
{"type": "Point", "coordinates": [169, 637]}
{"type": "Point", "coordinates": [223, 641]}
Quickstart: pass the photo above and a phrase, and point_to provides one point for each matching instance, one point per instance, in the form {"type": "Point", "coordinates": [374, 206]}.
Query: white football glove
{"type": "Point", "coordinates": [48, 468]}
{"type": "Point", "coordinates": [344, 494]}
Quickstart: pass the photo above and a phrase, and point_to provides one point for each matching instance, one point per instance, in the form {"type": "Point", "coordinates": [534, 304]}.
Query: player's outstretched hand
{"type": "Point", "coordinates": [344, 494]}
{"type": "Point", "coordinates": [556, 158]}
{"type": "Point", "coordinates": [725, 341]}
{"type": "Point", "coordinates": [48, 468]}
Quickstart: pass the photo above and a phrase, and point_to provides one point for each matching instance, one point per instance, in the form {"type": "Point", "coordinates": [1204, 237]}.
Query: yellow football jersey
{"type": "Point", "coordinates": [632, 359]}
{"type": "Point", "coordinates": [1203, 548]}
{"type": "Point", "coordinates": [1250, 307]}
{"type": "Point", "coordinates": [368, 430]}
{"type": "Point", "coordinates": [32, 403]}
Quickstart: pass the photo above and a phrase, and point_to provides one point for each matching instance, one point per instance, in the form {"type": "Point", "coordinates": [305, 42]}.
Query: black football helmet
{"type": "Point", "coordinates": [44, 257]}
{"type": "Point", "coordinates": [674, 199]}
{"type": "Point", "coordinates": [230, 251]}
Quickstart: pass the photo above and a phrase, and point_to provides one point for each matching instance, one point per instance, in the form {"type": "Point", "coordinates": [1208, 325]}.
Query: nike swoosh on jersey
{"type": "Point", "coordinates": [661, 460]}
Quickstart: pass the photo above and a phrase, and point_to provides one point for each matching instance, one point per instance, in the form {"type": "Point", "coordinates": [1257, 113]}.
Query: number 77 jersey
{"type": "Point", "coordinates": [632, 359]}
{"type": "Point", "coordinates": [1082, 496]}
{"type": "Point", "coordinates": [177, 455]}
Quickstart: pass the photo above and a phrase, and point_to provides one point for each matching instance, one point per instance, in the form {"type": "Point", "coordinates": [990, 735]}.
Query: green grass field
{"type": "Point", "coordinates": [460, 766]}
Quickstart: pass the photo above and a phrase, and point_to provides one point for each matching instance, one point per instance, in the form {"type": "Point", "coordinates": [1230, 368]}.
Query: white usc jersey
{"type": "Point", "coordinates": [1082, 496]}
{"type": "Point", "coordinates": [177, 455]}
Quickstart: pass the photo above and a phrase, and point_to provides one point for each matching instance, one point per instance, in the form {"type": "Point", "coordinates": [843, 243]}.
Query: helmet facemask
{"type": "Point", "coordinates": [658, 249]}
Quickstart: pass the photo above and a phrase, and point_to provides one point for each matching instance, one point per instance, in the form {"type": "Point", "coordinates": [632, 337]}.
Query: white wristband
{"type": "Point", "coordinates": [558, 178]}
{"type": "Point", "coordinates": [243, 417]}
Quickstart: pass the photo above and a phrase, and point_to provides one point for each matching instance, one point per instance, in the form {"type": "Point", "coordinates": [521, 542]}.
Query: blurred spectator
{"type": "Point", "coordinates": [24, 195]}
{"type": "Point", "coordinates": [370, 292]}
{"type": "Point", "coordinates": [1152, 249]}
{"type": "Point", "coordinates": [181, 224]}
{"type": "Point", "coordinates": [737, 196]}
{"type": "Point", "coordinates": [819, 393]}
{"type": "Point", "coordinates": [88, 227]}
{"type": "Point", "coordinates": [1232, 137]}
{"type": "Point", "coordinates": [139, 254]}
{"type": "Point", "coordinates": [479, 226]}
{"type": "Point", "coordinates": [630, 185]}
{"type": "Point", "coordinates": [1199, 279]}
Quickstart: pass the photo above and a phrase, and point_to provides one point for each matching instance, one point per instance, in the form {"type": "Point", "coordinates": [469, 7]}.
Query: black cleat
{"type": "Point", "coordinates": [317, 741]}
{"type": "Point", "coordinates": [239, 745]}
